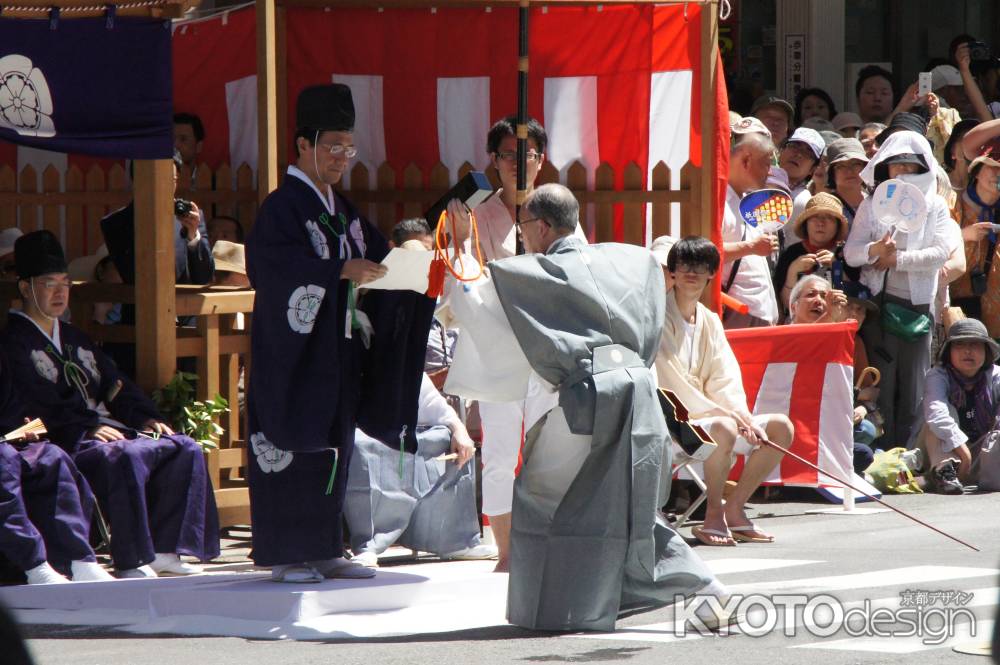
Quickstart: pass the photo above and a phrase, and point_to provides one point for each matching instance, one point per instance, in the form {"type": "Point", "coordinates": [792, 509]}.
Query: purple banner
{"type": "Point", "coordinates": [96, 86]}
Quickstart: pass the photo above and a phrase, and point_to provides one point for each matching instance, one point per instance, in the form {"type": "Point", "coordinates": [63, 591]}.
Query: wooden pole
{"type": "Point", "coordinates": [710, 211]}
{"type": "Point", "coordinates": [522, 114]}
{"type": "Point", "coordinates": [155, 298]}
{"type": "Point", "coordinates": [267, 94]}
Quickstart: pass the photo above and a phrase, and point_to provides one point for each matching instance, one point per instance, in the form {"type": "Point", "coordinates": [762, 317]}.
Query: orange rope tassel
{"type": "Point", "coordinates": [442, 262]}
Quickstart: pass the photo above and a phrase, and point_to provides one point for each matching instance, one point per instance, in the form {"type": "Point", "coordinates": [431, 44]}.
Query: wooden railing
{"type": "Point", "coordinates": [74, 211]}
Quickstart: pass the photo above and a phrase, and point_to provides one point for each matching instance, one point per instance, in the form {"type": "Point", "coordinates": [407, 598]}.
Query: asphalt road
{"type": "Point", "coordinates": [850, 558]}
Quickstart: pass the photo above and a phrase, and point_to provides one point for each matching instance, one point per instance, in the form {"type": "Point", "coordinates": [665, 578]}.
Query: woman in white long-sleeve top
{"type": "Point", "coordinates": [906, 266]}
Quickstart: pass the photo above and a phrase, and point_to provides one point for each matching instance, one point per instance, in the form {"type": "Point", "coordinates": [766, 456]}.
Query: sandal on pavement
{"type": "Point", "coordinates": [750, 534]}
{"type": "Point", "coordinates": [704, 534]}
{"type": "Point", "coordinates": [296, 574]}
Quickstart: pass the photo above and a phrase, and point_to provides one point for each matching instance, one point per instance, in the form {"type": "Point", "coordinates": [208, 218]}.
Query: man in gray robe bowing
{"type": "Point", "coordinates": [574, 329]}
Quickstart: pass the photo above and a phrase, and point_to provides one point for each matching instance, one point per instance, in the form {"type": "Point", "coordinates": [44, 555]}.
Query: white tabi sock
{"type": "Point", "coordinates": [704, 611]}
{"type": "Point", "coordinates": [171, 564]}
{"type": "Point", "coordinates": [89, 571]}
{"type": "Point", "coordinates": [45, 574]}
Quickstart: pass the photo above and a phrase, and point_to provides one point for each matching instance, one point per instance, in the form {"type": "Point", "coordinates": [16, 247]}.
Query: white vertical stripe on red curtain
{"type": "Point", "coordinates": [463, 120]}
{"type": "Point", "coordinates": [836, 429]}
{"type": "Point", "coordinates": [369, 131]}
{"type": "Point", "coordinates": [241, 110]}
{"type": "Point", "coordinates": [40, 160]}
{"type": "Point", "coordinates": [571, 124]}
{"type": "Point", "coordinates": [775, 396]}
{"type": "Point", "coordinates": [669, 133]}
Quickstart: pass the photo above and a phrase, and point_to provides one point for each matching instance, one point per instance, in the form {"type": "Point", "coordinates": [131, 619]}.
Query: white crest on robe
{"type": "Point", "coordinates": [358, 235]}
{"type": "Point", "coordinates": [44, 366]}
{"type": "Point", "coordinates": [303, 306]}
{"type": "Point", "coordinates": [270, 458]}
{"type": "Point", "coordinates": [318, 240]}
{"type": "Point", "coordinates": [86, 357]}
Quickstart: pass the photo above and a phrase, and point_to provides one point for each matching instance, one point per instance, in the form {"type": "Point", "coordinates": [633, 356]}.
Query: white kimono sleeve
{"type": "Point", "coordinates": [489, 364]}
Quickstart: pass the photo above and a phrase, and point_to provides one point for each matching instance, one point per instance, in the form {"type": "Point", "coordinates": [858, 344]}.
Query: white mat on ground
{"type": "Point", "coordinates": [403, 600]}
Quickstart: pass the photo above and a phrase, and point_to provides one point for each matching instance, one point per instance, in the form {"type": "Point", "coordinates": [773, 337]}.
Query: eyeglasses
{"type": "Point", "coordinates": [528, 221]}
{"type": "Point", "coordinates": [699, 269]}
{"type": "Point", "coordinates": [338, 149]}
{"type": "Point", "coordinates": [511, 156]}
{"type": "Point", "coordinates": [53, 284]}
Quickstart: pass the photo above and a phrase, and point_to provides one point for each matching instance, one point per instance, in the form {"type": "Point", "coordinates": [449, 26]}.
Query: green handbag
{"type": "Point", "coordinates": [903, 322]}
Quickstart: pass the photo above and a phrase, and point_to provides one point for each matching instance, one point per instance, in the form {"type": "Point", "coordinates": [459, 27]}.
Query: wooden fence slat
{"type": "Point", "coordinates": [413, 179]}
{"type": "Point", "coordinates": [634, 214]}
{"type": "Point", "coordinates": [51, 182]}
{"type": "Point", "coordinates": [691, 213]}
{"type": "Point", "coordinates": [76, 229]}
{"type": "Point", "coordinates": [361, 182]}
{"type": "Point", "coordinates": [28, 213]}
{"type": "Point", "coordinates": [246, 210]}
{"type": "Point", "coordinates": [549, 173]}
{"type": "Point", "coordinates": [660, 216]}
{"type": "Point", "coordinates": [224, 178]}
{"type": "Point", "coordinates": [8, 189]}
{"type": "Point", "coordinates": [465, 168]}
{"type": "Point", "coordinates": [604, 179]}
{"type": "Point", "coordinates": [95, 182]}
{"type": "Point", "coordinates": [385, 180]}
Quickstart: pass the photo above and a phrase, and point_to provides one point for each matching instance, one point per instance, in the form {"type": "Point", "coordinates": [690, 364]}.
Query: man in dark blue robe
{"type": "Point", "coordinates": [45, 505]}
{"type": "Point", "coordinates": [326, 358]}
{"type": "Point", "coordinates": [152, 484]}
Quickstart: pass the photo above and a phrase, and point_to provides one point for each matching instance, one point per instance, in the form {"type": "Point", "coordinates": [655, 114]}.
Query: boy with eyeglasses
{"type": "Point", "coordinates": [696, 362]}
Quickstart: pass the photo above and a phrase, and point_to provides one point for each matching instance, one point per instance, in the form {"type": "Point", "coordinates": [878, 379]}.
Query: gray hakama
{"type": "Point", "coordinates": [587, 535]}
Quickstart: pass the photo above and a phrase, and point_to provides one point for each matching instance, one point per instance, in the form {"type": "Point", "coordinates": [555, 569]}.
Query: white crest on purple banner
{"type": "Point", "coordinates": [270, 458]}
{"type": "Point", "coordinates": [44, 366]}
{"type": "Point", "coordinates": [25, 100]}
{"type": "Point", "coordinates": [318, 240]}
{"type": "Point", "coordinates": [303, 306]}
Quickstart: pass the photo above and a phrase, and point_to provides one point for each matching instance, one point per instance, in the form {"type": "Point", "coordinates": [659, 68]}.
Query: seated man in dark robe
{"type": "Point", "coordinates": [45, 505]}
{"type": "Point", "coordinates": [152, 483]}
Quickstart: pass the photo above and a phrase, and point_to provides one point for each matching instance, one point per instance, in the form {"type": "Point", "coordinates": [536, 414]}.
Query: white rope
{"type": "Point", "coordinates": [135, 4]}
{"type": "Point", "coordinates": [725, 10]}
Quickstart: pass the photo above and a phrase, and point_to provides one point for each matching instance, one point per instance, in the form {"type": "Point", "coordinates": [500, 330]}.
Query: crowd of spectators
{"type": "Point", "coordinates": [836, 259]}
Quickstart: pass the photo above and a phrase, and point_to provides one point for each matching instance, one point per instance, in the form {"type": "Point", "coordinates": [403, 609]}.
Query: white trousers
{"type": "Point", "coordinates": [501, 443]}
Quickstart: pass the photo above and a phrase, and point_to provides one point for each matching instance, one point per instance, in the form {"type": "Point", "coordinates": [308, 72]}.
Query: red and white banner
{"type": "Point", "coordinates": [805, 372]}
{"type": "Point", "coordinates": [611, 84]}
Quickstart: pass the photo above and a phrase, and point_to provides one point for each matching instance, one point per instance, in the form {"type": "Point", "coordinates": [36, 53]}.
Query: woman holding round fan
{"type": "Point", "coordinates": [900, 259]}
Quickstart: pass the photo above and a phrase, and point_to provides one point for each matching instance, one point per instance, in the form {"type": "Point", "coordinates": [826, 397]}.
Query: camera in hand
{"type": "Point", "coordinates": [979, 51]}
{"type": "Point", "coordinates": [182, 208]}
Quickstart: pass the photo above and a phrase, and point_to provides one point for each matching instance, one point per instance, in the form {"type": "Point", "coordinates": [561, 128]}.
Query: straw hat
{"type": "Point", "coordinates": [661, 248]}
{"type": "Point", "coordinates": [820, 204]}
{"type": "Point", "coordinates": [988, 154]}
{"type": "Point", "coordinates": [229, 257]}
{"type": "Point", "coordinates": [84, 268]}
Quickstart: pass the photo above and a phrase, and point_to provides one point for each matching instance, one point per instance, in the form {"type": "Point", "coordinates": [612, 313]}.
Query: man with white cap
{"type": "Point", "coordinates": [799, 157]}
{"type": "Point", "coordinates": [745, 273]}
{"type": "Point", "coordinates": [8, 269]}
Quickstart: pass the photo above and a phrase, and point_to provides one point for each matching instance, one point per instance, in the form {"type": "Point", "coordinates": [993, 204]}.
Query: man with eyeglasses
{"type": "Point", "coordinates": [152, 483]}
{"type": "Point", "coordinates": [566, 329]}
{"type": "Point", "coordinates": [308, 254]}
{"type": "Point", "coordinates": [498, 240]}
{"type": "Point", "coordinates": [696, 362]}
{"type": "Point", "coordinates": [8, 270]}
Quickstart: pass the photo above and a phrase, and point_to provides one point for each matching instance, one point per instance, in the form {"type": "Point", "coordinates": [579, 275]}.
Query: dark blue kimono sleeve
{"type": "Point", "coordinates": [298, 326]}
{"type": "Point", "coordinates": [130, 405]}
{"type": "Point", "coordinates": [63, 417]}
{"type": "Point", "coordinates": [11, 409]}
{"type": "Point", "coordinates": [200, 262]}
